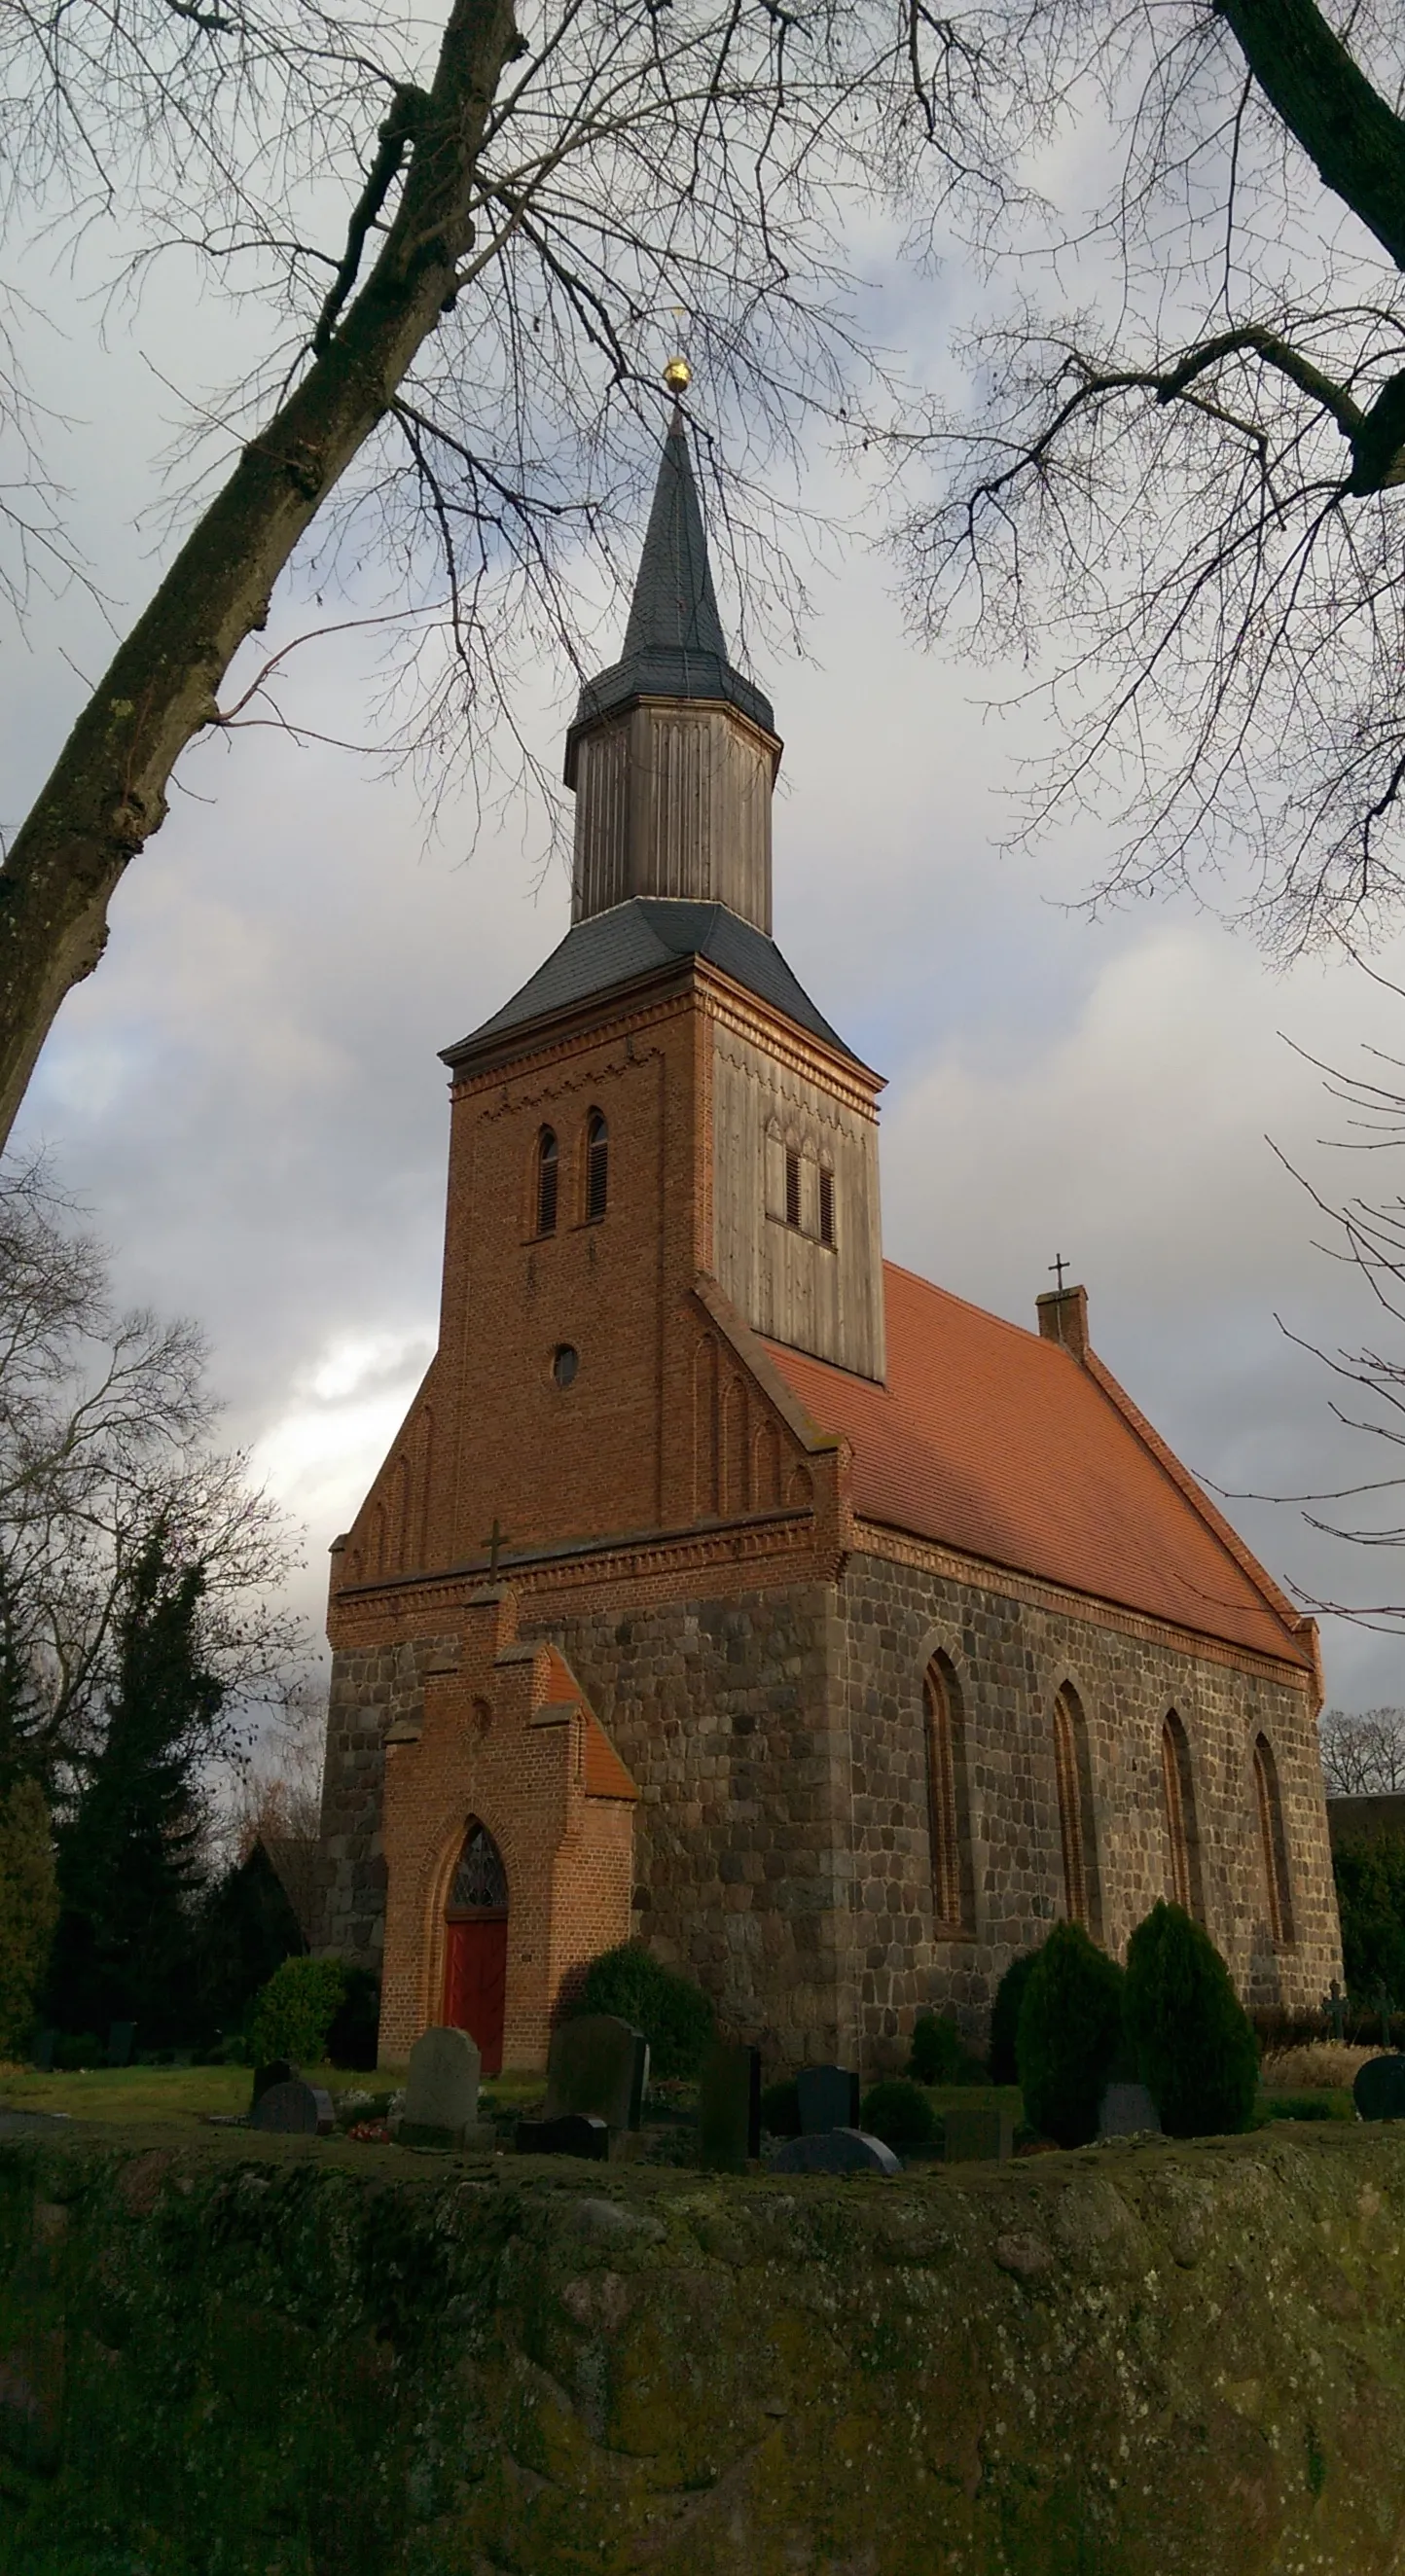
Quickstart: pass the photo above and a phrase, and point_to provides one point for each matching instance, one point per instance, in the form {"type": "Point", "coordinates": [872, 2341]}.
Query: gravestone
{"type": "Point", "coordinates": [119, 2043]}
{"type": "Point", "coordinates": [279, 2070]}
{"type": "Point", "coordinates": [441, 2093]}
{"type": "Point", "coordinates": [44, 2052]}
{"type": "Point", "coordinates": [576, 2133]}
{"type": "Point", "coordinates": [1127, 2111]}
{"type": "Point", "coordinates": [979, 2133]}
{"type": "Point", "coordinates": [1334, 2006]}
{"type": "Point", "coordinates": [729, 2107]}
{"type": "Point", "coordinates": [838, 2151]}
{"type": "Point", "coordinates": [1379, 2090]}
{"type": "Point", "coordinates": [829, 2099]}
{"type": "Point", "coordinates": [295, 2110]}
{"type": "Point", "coordinates": [597, 2065]}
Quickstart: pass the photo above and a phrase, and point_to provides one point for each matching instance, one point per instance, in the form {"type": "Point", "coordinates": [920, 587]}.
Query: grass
{"type": "Point", "coordinates": [179, 2094]}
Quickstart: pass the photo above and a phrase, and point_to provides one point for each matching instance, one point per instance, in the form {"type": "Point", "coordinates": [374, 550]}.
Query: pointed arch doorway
{"type": "Point", "coordinates": [475, 1945]}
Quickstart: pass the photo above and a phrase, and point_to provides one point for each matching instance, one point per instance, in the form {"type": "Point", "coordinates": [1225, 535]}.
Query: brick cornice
{"type": "Point", "coordinates": [874, 1538]}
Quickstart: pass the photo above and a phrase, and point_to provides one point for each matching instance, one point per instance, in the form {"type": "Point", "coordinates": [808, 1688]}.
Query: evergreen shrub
{"type": "Point", "coordinates": [29, 1910]}
{"type": "Point", "coordinates": [1005, 2018]}
{"type": "Point", "coordinates": [1068, 2036]}
{"type": "Point", "coordinates": [1370, 1881]}
{"type": "Point", "coordinates": [780, 2108]}
{"type": "Point", "coordinates": [898, 2112]}
{"type": "Point", "coordinates": [939, 2054]}
{"type": "Point", "coordinates": [354, 2038]}
{"type": "Point", "coordinates": [675, 2016]}
{"type": "Point", "coordinates": [1195, 2046]}
{"type": "Point", "coordinates": [293, 2015]}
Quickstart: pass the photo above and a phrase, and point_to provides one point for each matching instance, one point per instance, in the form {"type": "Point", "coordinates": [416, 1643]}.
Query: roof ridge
{"type": "Point", "coordinates": [987, 1314]}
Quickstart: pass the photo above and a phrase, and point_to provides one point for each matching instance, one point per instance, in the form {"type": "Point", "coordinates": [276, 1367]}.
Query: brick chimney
{"type": "Point", "coordinates": [1063, 1318]}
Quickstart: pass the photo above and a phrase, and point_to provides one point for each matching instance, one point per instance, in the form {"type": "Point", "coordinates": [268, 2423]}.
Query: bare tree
{"type": "Point", "coordinates": [1363, 1753]}
{"type": "Point", "coordinates": [519, 214]}
{"type": "Point", "coordinates": [1182, 503]}
{"type": "Point", "coordinates": [106, 1427]}
{"type": "Point", "coordinates": [278, 1799]}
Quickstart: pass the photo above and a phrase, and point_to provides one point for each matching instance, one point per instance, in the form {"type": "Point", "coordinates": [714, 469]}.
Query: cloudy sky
{"type": "Point", "coordinates": [248, 1096]}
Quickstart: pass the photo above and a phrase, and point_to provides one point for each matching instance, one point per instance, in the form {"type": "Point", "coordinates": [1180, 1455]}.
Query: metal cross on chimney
{"type": "Point", "coordinates": [1058, 1265]}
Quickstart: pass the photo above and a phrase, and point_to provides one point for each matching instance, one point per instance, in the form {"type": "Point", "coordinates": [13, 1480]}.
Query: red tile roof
{"type": "Point", "coordinates": [1003, 1445]}
{"type": "Point", "coordinates": [605, 1774]}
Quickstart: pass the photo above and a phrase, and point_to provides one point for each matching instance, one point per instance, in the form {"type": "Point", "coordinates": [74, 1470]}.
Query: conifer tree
{"type": "Point", "coordinates": [129, 1863]}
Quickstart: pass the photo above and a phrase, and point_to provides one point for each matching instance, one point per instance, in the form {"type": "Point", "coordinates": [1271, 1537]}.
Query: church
{"type": "Point", "coordinates": [728, 1586]}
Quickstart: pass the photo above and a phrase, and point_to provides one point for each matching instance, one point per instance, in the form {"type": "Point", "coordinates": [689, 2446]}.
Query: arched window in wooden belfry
{"type": "Point", "coordinates": [1182, 1831]}
{"type": "Point", "coordinates": [548, 1180]}
{"type": "Point", "coordinates": [1273, 1840]}
{"type": "Point", "coordinates": [1071, 1768]}
{"type": "Point", "coordinates": [597, 1167]}
{"type": "Point", "coordinates": [946, 1798]}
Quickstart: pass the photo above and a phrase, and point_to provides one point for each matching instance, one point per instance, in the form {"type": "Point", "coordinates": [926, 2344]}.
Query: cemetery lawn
{"type": "Point", "coordinates": [180, 2094]}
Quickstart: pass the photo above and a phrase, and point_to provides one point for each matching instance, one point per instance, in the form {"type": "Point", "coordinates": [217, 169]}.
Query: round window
{"type": "Point", "coordinates": [565, 1364]}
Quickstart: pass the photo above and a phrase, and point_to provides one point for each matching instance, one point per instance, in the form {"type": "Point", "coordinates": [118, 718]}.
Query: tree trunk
{"type": "Point", "coordinates": [1351, 134]}
{"type": "Point", "coordinates": [107, 793]}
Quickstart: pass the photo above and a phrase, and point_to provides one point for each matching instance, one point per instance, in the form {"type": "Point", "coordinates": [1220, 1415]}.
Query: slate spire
{"type": "Point", "coordinates": [674, 646]}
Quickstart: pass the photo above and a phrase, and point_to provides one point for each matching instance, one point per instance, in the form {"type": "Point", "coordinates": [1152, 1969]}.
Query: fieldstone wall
{"type": "Point", "coordinates": [369, 1688]}
{"type": "Point", "coordinates": [724, 1712]}
{"type": "Point", "coordinates": [1010, 1658]}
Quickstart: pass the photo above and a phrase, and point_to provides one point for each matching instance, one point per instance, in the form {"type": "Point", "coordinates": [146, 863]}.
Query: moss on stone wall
{"type": "Point", "coordinates": [327, 2360]}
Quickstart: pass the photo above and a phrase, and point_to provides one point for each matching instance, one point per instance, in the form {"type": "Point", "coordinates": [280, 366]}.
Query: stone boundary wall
{"type": "Point", "coordinates": [340, 2361]}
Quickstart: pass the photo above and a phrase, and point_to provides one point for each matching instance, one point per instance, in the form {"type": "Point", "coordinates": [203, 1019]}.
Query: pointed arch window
{"type": "Point", "coordinates": [480, 1881]}
{"type": "Point", "coordinates": [548, 1180]}
{"type": "Point", "coordinates": [948, 1830]}
{"type": "Point", "coordinates": [1273, 1840]}
{"type": "Point", "coordinates": [1073, 1775]}
{"type": "Point", "coordinates": [1182, 1830]}
{"type": "Point", "coordinates": [597, 1167]}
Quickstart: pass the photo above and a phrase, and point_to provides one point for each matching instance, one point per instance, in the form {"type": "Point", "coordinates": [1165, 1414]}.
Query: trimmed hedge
{"type": "Point", "coordinates": [293, 2014]}
{"type": "Point", "coordinates": [939, 2054]}
{"type": "Point", "coordinates": [898, 2113]}
{"type": "Point", "coordinates": [1069, 2033]}
{"type": "Point", "coordinates": [1195, 2046]}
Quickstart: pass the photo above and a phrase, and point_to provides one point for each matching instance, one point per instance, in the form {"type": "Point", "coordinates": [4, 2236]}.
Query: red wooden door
{"type": "Point", "coordinates": [475, 1982]}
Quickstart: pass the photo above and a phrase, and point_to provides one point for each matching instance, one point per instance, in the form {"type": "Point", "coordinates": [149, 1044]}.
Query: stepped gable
{"type": "Point", "coordinates": [995, 1441]}
{"type": "Point", "coordinates": [641, 938]}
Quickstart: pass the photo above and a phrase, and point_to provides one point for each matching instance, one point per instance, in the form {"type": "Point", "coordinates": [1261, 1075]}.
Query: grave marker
{"type": "Point", "coordinates": [279, 2070]}
{"type": "Point", "coordinates": [1127, 2111]}
{"type": "Point", "coordinates": [838, 2151]}
{"type": "Point", "coordinates": [576, 2133]}
{"type": "Point", "coordinates": [295, 2110]}
{"type": "Point", "coordinates": [729, 2107]}
{"type": "Point", "coordinates": [1379, 2090]}
{"type": "Point", "coordinates": [441, 2093]}
{"type": "Point", "coordinates": [599, 2066]}
{"type": "Point", "coordinates": [829, 2099]}
{"type": "Point", "coordinates": [977, 2133]}
{"type": "Point", "coordinates": [119, 2043]}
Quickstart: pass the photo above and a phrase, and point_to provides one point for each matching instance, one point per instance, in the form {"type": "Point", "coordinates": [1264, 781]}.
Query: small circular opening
{"type": "Point", "coordinates": [565, 1364]}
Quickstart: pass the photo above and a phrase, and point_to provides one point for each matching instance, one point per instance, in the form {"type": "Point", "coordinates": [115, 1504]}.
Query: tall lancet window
{"type": "Point", "coordinates": [946, 1800]}
{"type": "Point", "coordinates": [1273, 1840]}
{"type": "Point", "coordinates": [597, 1168]}
{"type": "Point", "coordinates": [548, 1180]}
{"type": "Point", "coordinates": [1073, 1775]}
{"type": "Point", "coordinates": [1182, 1834]}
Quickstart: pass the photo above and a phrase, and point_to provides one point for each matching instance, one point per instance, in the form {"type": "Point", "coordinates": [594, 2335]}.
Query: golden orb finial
{"type": "Point", "coordinates": [678, 375]}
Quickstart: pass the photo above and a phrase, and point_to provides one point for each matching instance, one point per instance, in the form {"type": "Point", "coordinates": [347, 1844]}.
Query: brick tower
{"type": "Point", "coordinates": [801, 1640]}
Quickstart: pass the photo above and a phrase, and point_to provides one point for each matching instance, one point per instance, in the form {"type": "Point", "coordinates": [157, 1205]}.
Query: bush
{"type": "Point", "coordinates": [675, 2015]}
{"type": "Point", "coordinates": [1195, 2047]}
{"type": "Point", "coordinates": [29, 1909]}
{"type": "Point", "coordinates": [1005, 2018]}
{"type": "Point", "coordinates": [939, 2054]}
{"type": "Point", "coordinates": [294, 2013]}
{"type": "Point", "coordinates": [1069, 2032]}
{"type": "Point", "coordinates": [1371, 1900]}
{"type": "Point", "coordinates": [898, 2113]}
{"type": "Point", "coordinates": [780, 2108]}
{"type": "Point", "coordinates": [354, 2038]}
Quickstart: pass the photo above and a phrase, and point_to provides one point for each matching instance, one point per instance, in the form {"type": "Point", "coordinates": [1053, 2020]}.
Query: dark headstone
{"type": "Point", "coordinates": [838, 2151]}
{"type": "Point", "coordinates": [1379, 2090]}
{"type": "Point", "coordinates": [277, 2071]}
{"type": "Point", "coordinates": [183, 2057]}
{"type": "Point", "coordinates": [119, 2043]}
{"type": "Point", "coordinates": [829, 2099]}
{"type": "Point", "coordinates": [295, 2110]}
{"type": "Point", "coordinates": [44, 2051]}
{"type": "Point", "coordinates": [729, 2106]}
{"type": "Point", "coordinates": [576, 2133]}
{"type": "Point", "coordinates": [979, 2133]}
{"type": "Point", "coordinates": [597, 2065]}
{"type": "Point", "coordinates": [1127, 2111]}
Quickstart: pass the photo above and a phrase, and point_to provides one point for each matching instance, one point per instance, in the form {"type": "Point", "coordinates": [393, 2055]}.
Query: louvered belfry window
{"type": "Point", "coordinates": [792, 1187]}
{"type": "Point", "coordinates": [480, 1881]}
{"type": "Point", "coordinates": [548, 1181]}
{"type": "Point", "coordinates": [597, 1168]}
{"type": "Point", "coordinates": [826, 1205]}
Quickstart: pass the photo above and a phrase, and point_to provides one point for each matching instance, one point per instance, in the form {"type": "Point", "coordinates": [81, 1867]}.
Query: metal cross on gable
{"type": "Point", "coordinates": [495, 1542]}
{"type": "Point", "coordinates": [1058, 1266]}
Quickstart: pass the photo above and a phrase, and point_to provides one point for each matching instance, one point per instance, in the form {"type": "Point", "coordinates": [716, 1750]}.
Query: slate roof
{"type": "Point", "coordinates": [993, 1441]}
{"type": "Point", "coordinates": [634, 939]}
{"type": "Point", "coordinates": [674, 646]}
